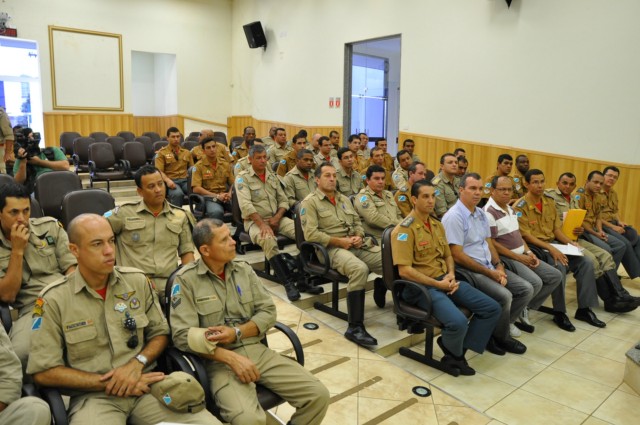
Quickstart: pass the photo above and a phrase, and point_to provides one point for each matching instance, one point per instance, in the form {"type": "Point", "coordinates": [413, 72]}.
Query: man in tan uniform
{"type": "Point", "coordinates": [503, 169]}
{"type": "Point", "coordinates": [263, 204]}
{"type": "Point", "coordinates": [98, 333]}
{"type": "Point", "coordinates": [417, 172]}
{"type": "Point", "coordinates": [349, 179]}
{"type": "Point", "coordinates": [212, 178]}
{"type": "Point", "coordinates": [463, 165]}
{"type": "Point", "coordinates": [446, 184]}
{"type": "Point", "coordinates": [364, 146]}
{"type": "Point", "coordinates": [299, 182]}
{"type": "Point", "coordinates": [243, 163]}
{"type": "Point", "coordinates": [6, 140]}
{"type": "Point", "coordinates": [353, 143]}
{"type": "Point", "coordinates": [408, 145]}
{"type": "Point", "coordinates": [401, 173]}
{"type": "Point", "coordinates": [376, 206]}
{"type": "Point", "coordinates": [388, 159]}
{"type": "Point", "coordinates": [522, 166]}
{"type": "Point", "coordinates": [222, 151]}
{"type": "Point", "coordinates": [13, 409]}
{"type": "Point", "coordinates": [151, 233]}
{"type": "Point", "coordinates": [334, 137]}
{"type": "Point", "coordinates": [279, 148]}
{"type": "Point", "coordinates": [328, 218]}
{"type": "Point", "coordinates": [290, 160]}
{"type": "Point", "coordinates": [221, 311]}
{"type": "Point", "coordinates": [33, 253]}
{"type": "Point", "coordinates": [324, 155]}
{"type": "Point", "coordinates": [173, 161]}
{"type": "Point", "coordinates": [378, 158]}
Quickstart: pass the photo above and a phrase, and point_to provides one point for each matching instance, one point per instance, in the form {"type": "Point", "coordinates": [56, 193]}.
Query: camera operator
{"type": "Point", "coordinates": [31, 161]}
{"type": "Point", "coordinates": [6, 140]}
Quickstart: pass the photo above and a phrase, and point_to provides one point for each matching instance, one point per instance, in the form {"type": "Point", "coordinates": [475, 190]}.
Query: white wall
{"type": "Point", "coordinates": [549, 75]}
{"type": "Point", "coordinates": [196, 31]}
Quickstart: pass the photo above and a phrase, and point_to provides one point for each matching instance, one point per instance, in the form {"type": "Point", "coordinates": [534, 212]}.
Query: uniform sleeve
{"type": "Point", "coordinates": [159, 161]}
{"type": "Point", "coordinates": [230, 175]}
{"type": "Point", "coordinates": [454, 228]}
{"type": "Point", "coordinates": [114, 220]}
{"type": "Point", "coordinates": [10, 372]}
{"type": "Point", "coordinates": [47, 341]}
{"type": "Point", "coordinates": [402, 201]}
{"type": "Point", "coordinates": [183, 312]}
{"type": "Point", "coordinates": [196, 177]}
{"type": "Point", "coordinates": [402, 246]}
{"type": "Point", "coordinates": [157, 323]}
{"type": "Point", "coordinates": [63, 255]}
{"type": "Point", "coordinates": [264, 309]}
{"type": "Point", "coordinates": [289, 189]}
{"type": "Point", "coordinates": [189, 159]}
{"type": "Point", "coordinates": [309, 218]}
{"type": "Point", "coordinates": [244, 196]}
{"type": "Point", "coordinates": [283, 202]}
{"type": "Point", "coordinates": [366, 208]}
{"type": "Point", "coordinates": [441, 203]}
{"type": "Point", "coordinates": [282, 168]}
{"type": "Point", "coordinates": [186, 241]}
{"type": "Point", "coordinates": [357, 223]}
{"type": "Point", "coordinates": [523, 220]}
{"type": "Point", "coordinates": [271, 153]}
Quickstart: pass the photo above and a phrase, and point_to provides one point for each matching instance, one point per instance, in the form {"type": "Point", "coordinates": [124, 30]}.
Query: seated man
{"type": "Point", "coordinates": [228, 338]}
{"type": "Point", "coordinates": [417, 171]}
{"type": "Point", "coordinates": [97, 334]}
{"type": "Point", "coordinates": [31, 163]}
{"type": "Point", "coordinates": [242, 150]}
{"type": "Point", "coordinates": [13, 409]}
{"type": "Point", "coordinates": [513, 250]}
{"type": "Point", "coordinates": [334, 137]}
{"type": "Point", "coordinates": [364, 146]}
{"type": "Point", "coordinates": [387, 162]}
{"type": "Point", "coordinates": [401, 174]}
{"type": "Point", "coordinates": [353, 143]}
{"type": "Point", "coordinates": [324, 155]}
{"type": "Point", "coordinates": [243, 163]}
{"type": "Point", "coordinates": [349, 179]}
{"type": "Point", "coordinates": [463, 165]}
{"type": "Point", "coordinates": [422, 255]}
{"type": "Point", "coordinates": [299, 182]}
{"type": "Point", "coordinates": [446, 184]}
{"type": "Point", "coordinates": [522, 166]}
{"type": "Point", "coordinates": [610, 214]}
{"type": "Point", "coordinates": [279, 148]}
{"type": "Point", "coordinates": [151, 233]}
{"type": "Point", "coordinates": [328, 218]}
{"type": "Point", "coordinates": [174, 161]}
{"type": "Point", "coordinates": [540, 226]}
{"type": "Point", "coordinates": [503, 168]}
{"type": "Point", "coordinates": [268, 141]}
{"type": "Point", "coordinates": [469, 237]}
{"type": "Point", "coordinates": [222, 151]}
{"type": "Point", "coordinates": [212, 178]}
{"type": "Point", "coordinates": [289, 161]}
{"type": "Point", "coordinates": [376, 206]}
{"type": "Point", "coordinates": [33, 253]}
{"type": "Point", "coordinates": [263, 204]}
{"type": "Point", "coordinates": [378, 158]}
{"type": "Point", "coordinates": [408, 145]}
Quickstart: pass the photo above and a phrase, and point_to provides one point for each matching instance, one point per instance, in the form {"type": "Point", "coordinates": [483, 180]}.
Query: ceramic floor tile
{"type": "Point", "coordinates": [413, 412]}
{"type": "Point", "coordinates": [595, 368]}
{"type": "Point", "coordinates": [631, 317]}
{"type": "Point", "coordinates": [620, 409]}
{"type": "Point", "coordinates": [339, 378]}
{"type": "Point", "coordinates": [542, 350]}
{"type": "Point", "coordinates": [460, 415]}
{"type": "Point", "coordinates": [441, 398]}
{"type": "Point", "coordinates": [549, 331]}
{"type": "Point", "coordinates": [567, 389]}
{"type": "Point", "coordinates": [627, 389]}
{"type": "Point", "coordinates": [495, 422]}
{"type": "Point", "coordinates": [395, 384]}
{"type": "Point", "coordinates": [479, 391]}
{"type": "Point", "coordinates": [601, 344]}
{"type": "Point", "coordinates": [343, 412]}
{"type": "Point", "coordinates": [595, 421]}
{"type": "Point", "coordinates": [422, 371]}
{"type": "Point", "coordinates": [511, 369]}
{"type": "Point", "coordinates": [524, 408]}
{"type": "Point", "coordinates": [622, 330]}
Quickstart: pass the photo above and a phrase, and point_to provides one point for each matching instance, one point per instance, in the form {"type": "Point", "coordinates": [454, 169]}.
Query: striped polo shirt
{"type": "Point", "coordinates": [504, 226]}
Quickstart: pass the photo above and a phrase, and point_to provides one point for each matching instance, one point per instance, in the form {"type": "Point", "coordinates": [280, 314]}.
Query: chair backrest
{"type": "Point", "coordinates": [148, 146]}
{"type": "Point", "coordinates": [220, 134]}
{"type": "Point", "coordinates": [236, 212]}
{"type": "Point", "coordinates": [117, 145]}
{"type": "Point", "coordinates": [128, 136]}
{"type": "Point", "coordinates": [78, 202]}
{"type": "Point", "coordinates": [6, 179]}
{"type": "Point", "coordinates": [236, 141]}
{"type": "Point", "coordinates": [135, 153]}
{"type": "Point", "coordinates": [66, 141]}
{"type": "Point", "coordinates": [152, 135]}
{"type": "Point", "coordinates": [52, 187]}
{"type": "Point", "coordinates": [189, 139]}
{"type": "Point", "coordinates": [36, 210]}
{"type": "Point", "coordinates": [297, 222]}
{"type": "Point", "coordinates": [102, 155]}
{"type": "Point", "coordinates": [81, 148]}
{"type": "Point", "coordinates": [99, 136]}
{"type": "Point", "coordinates": [195, 134]}
{"type": "Point", "coordinates": [190, 144]}
{"type": "Point", "coordinates": [221, 140]}
{"type": "Point", "coordinates": [159, 145]}
{"type": "Point", "coordinates": [389, 270]}
{"type": "Point", "coordinates": [166, 302]}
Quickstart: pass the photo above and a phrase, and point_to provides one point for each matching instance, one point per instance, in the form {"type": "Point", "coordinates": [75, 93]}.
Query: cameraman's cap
{"type": "Point", "coordinates": [198, 342]}
{"type": "Point", "coordinates": [180, 392]}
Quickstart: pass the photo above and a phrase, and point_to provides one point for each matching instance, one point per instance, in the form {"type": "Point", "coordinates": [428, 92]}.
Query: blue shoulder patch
{"type": "Point", "coordinates": [519, 214]}
{"type": "Point", "coordinates": [37, 323]}
{"type": "Point", "coordinates": [487, 185]}
{"type": "Point", "coordinates": [436, 192]}
{"type": "Point", "coordinates": [283, 161]}
{"type": "Point", "coordinates": [239, 180]}
{"type": "Point", "coordinates": [521, 203]}
{"type": "Point", "coordinates": [175, 290]}
{"type": "Point", "coordinates": [363, 198]}
{"type": "Point", "coordinates": [402, 237]}
{"type": "Point", "coordinates": [516, 179]}
{"type": "Point", "coordinates": [577, 197]}
{"type": "Point", "coordinates": [402, 198]}
{"type": "Point", "coordinates": [303, 211]}
{"type": "Point", "coordinates": [364, 176]}
{"type": "Point", "coordinates": [193, 169]}
{"type": "Point", "coordinates": [108, 214]}
{"type": "Point", "coordinates": [234, 153]}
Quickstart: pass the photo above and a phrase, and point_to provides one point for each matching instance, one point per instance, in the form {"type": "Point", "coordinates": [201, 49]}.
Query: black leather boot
{"type": "Point", "coordinates": [379, 292]}
{"type": "Point", "coordinates": [282, 273]}
{"type": "Point", "coordinates": [610, 290]}
{"type": "Point", "coordinates": [356, 331]}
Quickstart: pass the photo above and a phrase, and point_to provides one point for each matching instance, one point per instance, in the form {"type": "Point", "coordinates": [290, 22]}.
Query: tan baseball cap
{"type": "Point", "coordinates": [180, 392]}
{"type": "Point", "coordinates": [198, 342]}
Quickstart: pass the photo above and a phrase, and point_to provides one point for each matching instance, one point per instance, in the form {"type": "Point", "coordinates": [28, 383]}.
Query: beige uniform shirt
{"type": "Point", "coordinates": [10, 371]}
{"type": "Point", "coordinates": [377, 211]}
{"type": "Point", "coordinates": [388, 163]}
{"type": "Point", "coordinates": [240, 151]}
{"type": "Point", "coordinates": [287, 163]}
{"type": "Point", "coordinates": [403, 200]}
{"type": "Point", "coordinates": [399, 177]}
{"type": "Point", "coordinates": [222, 152]}
{"type": "Point", "coordinates": [46, 258]}
{"type": "Point", "coordinates": [318, 159]}
{"type": "Point", "coordinates": [533, 222]}
{"type": "Point", "coordinates": [518, 179]}
{"type": "Point", "coordinates": [268, 141]}
{"type": "Point", "coordinates": [359, 162]}
{"type": "Point", "coordinates": [6, 131]}
{"type": "Point", "coordinates": [150, 243]}
{"type": "Point", "coordinates": [76, 328]}
{"type": "Point", "coordinates": [241, 165]}
{"type": "Point", "coordinates": [257, 197]}
{"type": "Point", "coordinates": [348, 185]}
{"type": "Point", "coordinates": [199, 298]}
{"type": "Point", "coordinates": [593, 203]}
{"type": "Point", "coordinates": [446, 192]}
{"type": "Point", "coordinates": [277, 152]}
{"type": "Point", "coordinates": [321, 220]}
{"type": "Point", "coordinates": [214, 179]}
{"type": "Point", "coordinates": [174, 168]}
{"type": "Point", "coordinates": [610, 206]}
{"type": "Point", "coordinates": [296, 187]}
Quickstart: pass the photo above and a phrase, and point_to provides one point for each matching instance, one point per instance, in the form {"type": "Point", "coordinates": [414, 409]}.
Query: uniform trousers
{"type": "Point", "coordinates": [621, 250]}
{"type": "Point", "coordinates": [601, 258]}
{"type": "Point", "coordinates": [99, 408]}
{"type": "Point", "coordinates": [26, 411]}
{"type": "Point", "coordinates": [583, 271]}
{"type": "Point", "coordinates": [459, 333]}
{"type": "Point", "coordinates": [631, 258]}
{"type": "Point", "coordinates": [20, 336]}
{"type": "Point", "coordinates": [238, 402]}
{"type": "Point", "coordinates": [513, 298]}
{"type": "Point", "coordinates": [270, 244]}
{"type": "Point", "coordinates": [176, 196]}
{"type": "Point", "coordinates": [544, 279]}
{"type": "Point", "coordinates": [213, 209]}
{"type": "Point", "coordinates": [356, 264]}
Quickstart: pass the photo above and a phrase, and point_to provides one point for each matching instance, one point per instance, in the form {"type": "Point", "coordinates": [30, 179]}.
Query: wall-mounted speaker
{"type": "Point", "coordinates": [255, 35]}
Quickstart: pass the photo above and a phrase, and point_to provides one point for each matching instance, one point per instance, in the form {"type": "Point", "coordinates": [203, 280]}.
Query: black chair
{"type": "Point", "coordinates": [134, 155]}
{"type": "Point", "coordinates": [190, 144]}
{"type": "Point", "coordinates": [128, 136]}
{"type": "Point", "coordinates": [236, 141]}
{"type": "Point", "coordinates": [221, 135]}
{"type": "Point", "coordinates": [5, 316]}
{"type": "Point", "coordinates": [159, 145]}
{"type": "Point", "coordinates": [51, 189]}
{"type": "Point", "coordinates": [103, 165]}
{"type": "Point", "coordinates": [80, 155]}
{"type": "Point", "coordinates": [410, 316]}
{"type": "Point", "coordinates": [195, 134]}
{"type": "Point", "coordinates": [78, 202]}
{"type": "Point", "coordinates": [148, 147]}
{"type": "Point", "coordinates": [152, 135]}
{"type": "Point", "coordinates": [193, 364]}
{"type": "Point", "coordinates": [36, 210]}
{"type": "Point", "coordinates": [117, 145]}
{"type": "Point", "coordinates": [66, 143]}
{"type": "Point", "coordinates": [99, 136]}
{"type": "Point", "coordinates": [197, 202]}
{"type": "Point", "coordinates": [313, 266]}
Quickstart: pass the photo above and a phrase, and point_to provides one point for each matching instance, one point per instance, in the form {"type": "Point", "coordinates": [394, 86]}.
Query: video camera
{"type": "Point", "coordinates": [31, 145]}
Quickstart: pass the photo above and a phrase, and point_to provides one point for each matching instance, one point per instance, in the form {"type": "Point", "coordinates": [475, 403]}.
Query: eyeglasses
{"type": "Point", "coordinates": [504, 189]}
{"type": "Point", "coordinates": [130, 325]}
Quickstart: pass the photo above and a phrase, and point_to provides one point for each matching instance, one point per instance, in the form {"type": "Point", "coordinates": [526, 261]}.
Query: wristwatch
{"type": "Point", "coordinates": [498, 263]}
{"type": "Point", "coordinates": [142, 359]}
{"type": "Point", "coordinates": [527, 252]}
{"type": "Point", "coordinates": [238, 333]}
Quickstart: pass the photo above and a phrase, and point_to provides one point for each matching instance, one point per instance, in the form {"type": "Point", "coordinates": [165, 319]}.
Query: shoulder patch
{"type": "Point", "coordinates": [516, 179]}
{"type": "Point", "coordinates": [577, 197]}
{"type": "Point", "coordinates": [364, 176]}
{"type": "Point", "coordinates": [581, 190]}
{"type": "Point", "coordinates": [403, 189]}
{"type": "Point", "coordinates": [402, 198]}
{"type": "Point", "coordinates": [283, 161]}
{"type": "Point", "coordinates": [239, 180]}
{"type": "Point", "coordinates": [487, 185]}
{"type": "Point", "coordinates": [436, 180]}
{"type": "Point", "coordinates": [108, 214]}
{"type": "Point", "coordinates": [519, 214]}
{"type": "Point", "coordinates": [521, 203]}
{"type": "Point", "coordinates": [396, 177]}
{"type": "Point", "coordinates": [437, 192]}
{"type": "Point", "coordinates": [193, 169]}
{"type": "Point", "coordinates": [363, 198]}
{"type": "Point", "coordinates": [407, 222]}
{"type": "Point", "coordinates": [403, 237]}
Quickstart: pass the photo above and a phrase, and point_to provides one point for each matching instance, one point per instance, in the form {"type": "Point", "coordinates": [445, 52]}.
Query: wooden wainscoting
{"type": "Point", "coordinates": [483, 159]}
{"type": "Point", "coordinates": [157, 124]}
{"type": "Point", "coordinates": [236, 125]}
{"type": "Point", "coordinates": [83, 123]}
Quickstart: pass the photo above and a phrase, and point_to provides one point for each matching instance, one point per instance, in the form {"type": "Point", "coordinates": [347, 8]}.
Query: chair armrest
{"type": "Point", "coordinates": [54, 399]}
{"type": "Point", "coordinates": [92, 166]}
{"type": "Point", "coordinates": [373, 238]}
{"type": "Point", "coordinates": [29, 390]}
{"type": "Point", "coordinates": [295, 341]}
{"type": "Point", "coordinates": [308, 253]}
{"type": "Point", "coordinates": [123, 164]}
{"type": "Point", "coordinates": [398, 287]}
{"type": "Point", "coordinates": [5, 316]}
{"type": "Point", "coordinates": [196, 199]}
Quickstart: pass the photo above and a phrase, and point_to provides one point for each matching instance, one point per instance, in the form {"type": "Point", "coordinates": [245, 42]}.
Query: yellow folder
{"type": "Point", "coordinates": [572, 219]}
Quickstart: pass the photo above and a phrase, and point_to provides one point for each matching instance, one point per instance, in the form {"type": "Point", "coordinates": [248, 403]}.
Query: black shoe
{"type": "Point", "coordinates": [292, 292]}
{"type": "Point", "coordinates": [443, 348]}
{"type": "Point", "coordinates": [359, 335]}
{"type": "Point", "coordinates": [563, 322]}
{"type": "Point", "coordinates": [456, 366]}
{"type": "Point", "coordinates": [619, 305]}
{"type": "Point", "coordinates": [631, 299]}
{"type": "Point", "coordinates": [586, 315]}
{"type": "Point", "coordinates": [494, 348]}
{"type": "Point", "coordinates": [309, 289]}
{"type": "Point", "coordinates": [510, 345]}
{"type": "Point", "coordinates": [524, 327]}
{"type": "Point", "coordinates": [379, 292]}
